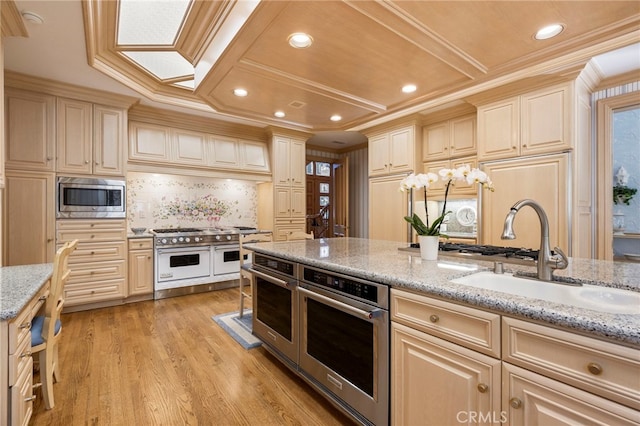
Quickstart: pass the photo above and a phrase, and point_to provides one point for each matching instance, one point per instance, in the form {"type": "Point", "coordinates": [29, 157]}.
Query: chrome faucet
{"type": "Point", "coordinates": [546, 262]}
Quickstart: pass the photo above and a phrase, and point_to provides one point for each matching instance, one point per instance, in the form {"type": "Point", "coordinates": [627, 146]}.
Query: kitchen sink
{"type": "Point", "coordinates": [602, 299]}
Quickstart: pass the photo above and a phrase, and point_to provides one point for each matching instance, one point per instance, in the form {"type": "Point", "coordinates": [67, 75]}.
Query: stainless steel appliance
{"type": "Point", "coordinates": [275, 307]}
{"type": "Point", "coordinates": [332, 329]}
{"type": "Point", "coordinates": [518, 255]}
{"type": "Point", "coordinates": [344, 341]}
{"type": "Point", "coordinates": [90, 198]}
{"type": "Point", "coordinates": [190, 260]}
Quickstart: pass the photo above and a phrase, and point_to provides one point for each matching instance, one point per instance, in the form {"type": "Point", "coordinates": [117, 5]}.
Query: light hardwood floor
{"type": "Point", "coordinates": [167, 362]}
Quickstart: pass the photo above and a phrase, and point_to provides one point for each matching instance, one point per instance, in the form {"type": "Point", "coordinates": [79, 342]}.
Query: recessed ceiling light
{"type": "Point", "coordinates": [32, 17]}
{"type": "Point", "coordinates": [279, 114]}
{"type": "Point", "coordinates": [549, 31]}
{"type": "Point", "coordinates": [409, 88]}
{"type": "Point", "coordinates": [335, 117]}
{"type": "Point", "coordinates": [300, 40]}
{"type": "Point", "coordinates": [240, 92]}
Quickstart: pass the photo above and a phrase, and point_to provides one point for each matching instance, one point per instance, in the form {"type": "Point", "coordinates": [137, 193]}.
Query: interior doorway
{"type": "Point", "coordinates": [327, 195]}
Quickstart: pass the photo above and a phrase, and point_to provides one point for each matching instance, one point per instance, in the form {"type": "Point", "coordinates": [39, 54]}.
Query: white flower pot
{"type": "Point", "coordinates": [428, 246]}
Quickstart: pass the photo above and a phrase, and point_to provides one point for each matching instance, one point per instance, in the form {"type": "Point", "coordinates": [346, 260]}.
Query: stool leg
{"type": "Point", "coordinates": [46, 376]}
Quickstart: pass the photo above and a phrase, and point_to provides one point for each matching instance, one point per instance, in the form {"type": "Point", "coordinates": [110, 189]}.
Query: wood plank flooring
{"type": "Point", "coordinates": [167, 362]}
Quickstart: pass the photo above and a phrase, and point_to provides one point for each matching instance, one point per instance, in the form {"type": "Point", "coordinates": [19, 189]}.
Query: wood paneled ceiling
{"type": "Point", "coordinates": [363, 53]}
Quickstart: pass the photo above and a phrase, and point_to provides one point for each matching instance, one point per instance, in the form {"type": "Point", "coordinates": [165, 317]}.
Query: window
{"type": "Point", "coordinates": [323, 169]}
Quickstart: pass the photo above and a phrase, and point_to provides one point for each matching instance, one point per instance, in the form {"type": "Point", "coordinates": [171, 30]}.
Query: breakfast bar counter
{"type": "Point", "coordinates": [383, 262]}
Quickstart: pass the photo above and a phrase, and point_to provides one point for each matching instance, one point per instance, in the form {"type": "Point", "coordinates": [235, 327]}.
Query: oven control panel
{"type": "Point", "coordinates": [351, 286]}
{"type": "Point", "coordinates": [283, 267]}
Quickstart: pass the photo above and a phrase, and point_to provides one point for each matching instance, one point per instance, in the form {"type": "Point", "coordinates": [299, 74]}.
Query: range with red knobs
{"type": "Point", "coordinates": [191, 260]}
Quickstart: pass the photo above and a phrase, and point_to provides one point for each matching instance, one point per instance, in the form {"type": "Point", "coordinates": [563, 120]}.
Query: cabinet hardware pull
{"type": "Point", "coordinates": [515, 402]}
{"type": "Point", "coordinates": [434, 318]}
{"type": "Point", "coordinates": [36, 385]}
{"type": "Point", "coordinates": [594, 368]}
{"type": "Point", "coordinates": [482, 387]}
{"type": "Point", "coordinates": [43, 297]}
{"type": "Point", "coordinates": [26, 354]}
{"type": "Point", "coordinates": [25, 325]}
{"type": "Point", "coordinates": [31, 398]}
{"type": "Point", "coordinates": [148, 257]}
{"type": "Point", "coordinates": [49, 158]}
{"type": "Point", "coordinates": [49, 240]}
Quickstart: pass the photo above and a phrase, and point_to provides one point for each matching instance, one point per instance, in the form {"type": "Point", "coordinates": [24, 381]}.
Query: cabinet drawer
{"type": "Point", "coordinates": [91, 236]}
{"type": "Point", "coordinates": [22, 396]}
{"type": "Point", "coordinates": [140, 243]}
{"type": "Point", "coordinates": [91, 224]}
{"type": "Point", "coordinates": [79, 294]}
{"type": "Point", "coordinates": [98, 252]}
{"type": "Point", "coordinates": [603, 368]}
{"type": "Point", "coordinates": [20, 326]}
{"type": "Point", "coordinates": [471, 328]}
{"type": "Point", "coordinates": [19, 360]}
{"type": "Point", "coordinates": [97, 271]}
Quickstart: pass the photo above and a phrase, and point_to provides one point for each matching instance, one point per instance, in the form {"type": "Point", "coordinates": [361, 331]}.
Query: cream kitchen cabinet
{"type": "Point", "coordinates": [225, 152]}
{"type": "Point", "coordinates": [30, 120]}
{"type": "Point", "coordinates": [449, 139]}
{"type": "Point", "coordinates": [29, 218]}
{"type": "Point", "coordinates": [188, 147]}
{"type": "Point", "coordinates": [99, 264]}
{"type": "Point", "coordinates": [140, 266]}
{"type": "Point", "coordinates": [551, 374]}
{"type": "Point", "coordinates": [289, 160]}
{"type": "Point", "coordinates": [544, 179]}
{"type": "Point", "coordinates": [90, 138]}
{"type": "Point", "coordinates": [533, 123]}
{"type": "Point", "coordinates": [254, 156]}
{"type": "Point", "coordinates": [437, 190]}
{"type": "Point", "coordinates": [438, 375]}
{"type": "Point", "coordinates": [149, 142]}
{"type": "Point", "coordinates": [387, 208]}
{"type": "Point", "coordinates": [392, 151]}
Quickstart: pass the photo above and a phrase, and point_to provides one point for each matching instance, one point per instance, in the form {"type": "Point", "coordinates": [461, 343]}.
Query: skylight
{"type": "Point", "coordinates": [150, 22]}
{"type": "Point", "coordinates": [164, 65]}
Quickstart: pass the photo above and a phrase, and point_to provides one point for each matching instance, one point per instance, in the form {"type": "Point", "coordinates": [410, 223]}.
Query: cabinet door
{"type": "Point", "coordinates": [74, 146]}
{"type": "Point", "coordinates": [462, 187]}
{"type": "Point", "coordinates": [531, 399]}
{"type": "Point", "coordinates": [499, 129]}
{"type": "Point", "coordinates": [401, 150]}
{"type": "Point", "coordinates": [462, 136]}
{"type": "Point", "coordinates": [387, 208]}
{"type": "Point", "coordinates": [298, 202]}
{"type": "Point", "coordinates": [543, 179]}
{"type": "Point", "coordinates": [281, 149]}
{"type": "Point", "coordinates": [225, 153]}
{"type": "Point", "coordinates": [546, 121]}
{"type": "Point", "coordinates": [140, 272]}
{"type": "Point", "coordinates": [435, 382]}
{"type": "Point", "coordinates": [148, 142]}
{"type": "Point", "coordinates": [436, 190]}
{"type": "Point", "coordinates": [29, 222]}
{"type": "Point", "coordinates": [297, 162]}
{"type": "Point", "coordinates": [254, 156]}
{"type": "Point", "coordinates": [378, 154]}
{"type": "Point", "coordinates": [435, 142]}
{"type": "Point", "coordinates": [109, 126]}
{"type": "Point", "coordinates": [282, 196]}
{"type": "Point", "coordinates": [30, 130]}
{"type": "Point", "coordinates": [189, 147]}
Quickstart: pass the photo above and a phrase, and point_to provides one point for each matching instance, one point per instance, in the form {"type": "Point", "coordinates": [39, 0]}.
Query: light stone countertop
{"type": "Point", "coordinates": [381, 261]}
{"type": "Point", "coordinates": [18, 285]}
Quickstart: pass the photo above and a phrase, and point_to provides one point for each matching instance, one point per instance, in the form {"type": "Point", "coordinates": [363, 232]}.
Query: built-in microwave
{"type": "Point", "coordinates": [90, 198]}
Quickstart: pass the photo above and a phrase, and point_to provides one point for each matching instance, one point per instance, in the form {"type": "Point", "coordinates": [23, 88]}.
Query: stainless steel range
{"type": "Point", "coordinates": [192, 260]}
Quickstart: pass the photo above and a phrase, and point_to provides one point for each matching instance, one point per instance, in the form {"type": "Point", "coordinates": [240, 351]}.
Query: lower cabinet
{"type": "Point", "coordinates": [453, 364]}
{"type": "Point", "coordinates": [99, 265]}
{"type": "Point", "coordinates": [140, 266]}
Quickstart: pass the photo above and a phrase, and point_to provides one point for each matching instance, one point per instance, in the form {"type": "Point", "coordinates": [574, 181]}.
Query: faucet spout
{"type": "Point", "coordinates": [546, 262]}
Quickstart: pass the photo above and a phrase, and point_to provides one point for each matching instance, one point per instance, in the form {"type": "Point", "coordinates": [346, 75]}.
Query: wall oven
{"type": "Point", "coordinates": [275, 307]}
{"type": "Point", "coordinates": [90, 198]}
{"type": "Point", "coordinates": [344, 341]}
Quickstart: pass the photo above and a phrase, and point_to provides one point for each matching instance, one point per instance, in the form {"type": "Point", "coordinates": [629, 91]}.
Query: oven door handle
{"type": "Point", "coordinates": [367, 315]}
{"type": "Point", "coordinates": [271, 279]}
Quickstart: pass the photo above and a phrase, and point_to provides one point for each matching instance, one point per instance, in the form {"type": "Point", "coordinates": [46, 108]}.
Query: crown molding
{"type": "Point", "coordinates": [12, 22]}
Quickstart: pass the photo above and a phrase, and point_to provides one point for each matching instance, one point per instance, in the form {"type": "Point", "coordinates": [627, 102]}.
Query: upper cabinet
{"type": "Point", "coordinates": [289, 156]}
{"type": "Point", "coordinates": [30, 130]}
{"type": "Point", "coordinates": [392, 151]}
{"type": "Point", "coordinates": [90, 138]}
{"type": "Point", "coordinates": [155, 144]}
{"type": "Point", "coordinates": [449, 139]}
{"type": "Point", "coordinates": [533, 123]}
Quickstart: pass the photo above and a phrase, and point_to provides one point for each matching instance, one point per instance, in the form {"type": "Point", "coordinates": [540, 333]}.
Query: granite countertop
{"type": "Point", "coordinates": [18, 285]}
{"type": "Point", "coordinates": [131, 235]}
{"type": "Point", "coordinates": [382, 262]}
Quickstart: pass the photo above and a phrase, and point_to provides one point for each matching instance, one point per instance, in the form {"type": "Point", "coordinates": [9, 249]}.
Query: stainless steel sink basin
{"type": "Point", "coordinates": [602, 299]}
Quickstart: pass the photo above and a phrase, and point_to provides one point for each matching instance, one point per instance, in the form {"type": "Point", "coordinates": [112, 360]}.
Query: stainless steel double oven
{"type": "Point", "coordinates": [332, 329]}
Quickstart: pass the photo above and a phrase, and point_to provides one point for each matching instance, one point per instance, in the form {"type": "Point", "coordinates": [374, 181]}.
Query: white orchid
{"type": "Point", "coordinates": [463, 173]}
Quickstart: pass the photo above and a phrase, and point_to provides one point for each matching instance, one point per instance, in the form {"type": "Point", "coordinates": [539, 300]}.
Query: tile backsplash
{"type": "Point", "coordinates": [164, 201]}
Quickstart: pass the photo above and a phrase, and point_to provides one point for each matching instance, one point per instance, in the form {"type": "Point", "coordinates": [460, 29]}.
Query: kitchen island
{"type": "Point", "coordinates": [23, 290]}
{"type": "Point", "coordinates": [381, 261]}
{"type": "Point", "coordinates": [458, 351]}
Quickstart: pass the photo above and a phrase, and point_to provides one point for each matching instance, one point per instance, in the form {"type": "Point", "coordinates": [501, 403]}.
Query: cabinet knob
{"type": "Point", "coordinates": [148, 257]}
{"type": "Point", "coordinates": [483, 388]}
{"type": "Point", "coordinates": [25, 325]}
{"type": "Point", "coordinates": [86, 161]}
{"type": "Point", "coordinates": [594, 368]}
{"type": "Point", "coordinates": [49, 240]}
{"type": "Point", "coordinates": [97, 164]}
{"type": "Point", "coordinates": [446, 148]}
{"type": "Point", "coordinates": [515, 402]}
{"type": "Point", "coordinates": [434, 318]}
{"type": "Point", "coordinates": [524, 145]}
{"type": "Point", "coordinates": [26, 354]}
